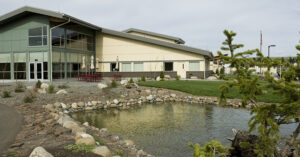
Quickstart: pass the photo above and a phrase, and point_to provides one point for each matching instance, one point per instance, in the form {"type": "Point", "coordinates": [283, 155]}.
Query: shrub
{"type": "Point", "coordinates": [119, 152]}
{"type": "Point", "coordinates": [51, 89]}
{"type": "Point", "coordinates": [6, 94]}
{"type": "Point", "coordinates": [38, 84]}
{"type": "Point", "coordinates": [28, 99]}
{"type": "Point", "coordinates": [131, 80]}
{"type": "Point", "coordinates": [162, 75]}
{"type": "Point", "coordinates": [212, 148]}
{"type": "Point", "coordinates": [113, 83]}
{"type": "Point", "coordinates": [217, 72]}
{"type": "Point", "coordinates": [222, 73]}
{"type": "Point", "coordinates": [177, 77]}
{"type": "Point", "coordinates": [99, 141]}
{"type": "Point", "coordinates": [143, 78]}
{"type": "Point", "coordinates": [80, 147]}
{"type": "Point", "coordinates": [19, 87]}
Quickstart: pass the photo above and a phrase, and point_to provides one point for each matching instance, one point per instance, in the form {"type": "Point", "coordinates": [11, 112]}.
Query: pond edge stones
{"type": "Point", "coordinates": [60, 111]}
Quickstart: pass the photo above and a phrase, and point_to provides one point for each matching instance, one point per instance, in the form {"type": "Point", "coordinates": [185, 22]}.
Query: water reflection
{"type": "Point", "coordinates": [166, 129]}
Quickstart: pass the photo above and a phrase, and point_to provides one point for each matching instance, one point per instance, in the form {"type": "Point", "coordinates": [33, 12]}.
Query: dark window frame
{"type": "Point", "coordinates": [167, 66]}
{"type": "Point", "coordinates": [113, 67]}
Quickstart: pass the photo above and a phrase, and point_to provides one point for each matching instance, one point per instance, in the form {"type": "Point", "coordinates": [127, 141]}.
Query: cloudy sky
{"type": "Point", "coordinates": [199, 22]}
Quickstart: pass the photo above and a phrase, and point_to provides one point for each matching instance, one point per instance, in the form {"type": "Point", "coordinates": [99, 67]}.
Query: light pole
{"type": "Point", "coordinates": [269, 49]}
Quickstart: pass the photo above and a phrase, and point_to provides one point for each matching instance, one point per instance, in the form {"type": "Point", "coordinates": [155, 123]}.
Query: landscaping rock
{"type": "Point", "coordinates": [81, 104]}
{"type": "Point", "coordinates": [101, 85]}
{"type": "Point", "coordinates": [116, 101]}
{"type": "Point", "coordinates": [57, 105]}
{"type": "Point", "coordinates": [74, 105]}
{"type": "Point", "coordinates": [124, 82]}
{"type": "Point", "coordinates": [40, 152]}
{"type": "Point", "coordinates": [86, 124]}
{"type": "Point", "coordinates": [64, 106]}
{"type": "Point", "coordinates": [149, 98]}
{"type": "Point", "coordinates": [194, 77]}
{"type": "Point", "coordinates": [62, 91]}
{"type": "Point", "coordinates": [173, 95]}
{"type": "Point", "coordinates": [145, 92]}
{"type": "Point", "coordinates": [102, 150]}
{"type": "Point", "coordinates": [212, 78]}
{"type": "Point", "coordinates": [129, 142]}
{"type": "Point", "coordinates": [41, 91]}
{"type": "Point", "coordinates": [44, 86]}
{"type": "Point", "coordinates": [158, 78]}
{"type": "Point", "coordinates": [85, 138]}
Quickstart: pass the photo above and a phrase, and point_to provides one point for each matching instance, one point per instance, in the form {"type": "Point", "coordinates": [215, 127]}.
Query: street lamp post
{"type": "Point", "coordinates": [269, 49]}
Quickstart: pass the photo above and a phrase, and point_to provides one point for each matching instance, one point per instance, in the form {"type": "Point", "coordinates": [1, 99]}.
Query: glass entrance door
{"type": "Point", "coordinates": [36, 71]}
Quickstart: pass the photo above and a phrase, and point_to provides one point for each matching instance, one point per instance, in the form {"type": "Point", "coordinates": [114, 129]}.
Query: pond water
{"type": "Point", "coordinates": [166, 129]}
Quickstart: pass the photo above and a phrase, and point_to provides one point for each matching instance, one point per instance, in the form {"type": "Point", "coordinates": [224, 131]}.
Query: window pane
{"type": "Point", "coordinates": [44, 40]}
{"type": "Point", "coordinates": [35, 31]}
{"type": "Point", "coordinates": [45, 30]}
{"type": "Point", "coordinates": [58, 32]}
{"type": "Point", "coordinates": [45, 65]}
{"type": "Point", "coordinates": [168, 66]}
{"type": "Point", "coordinates": [126, 67]}
{"type": "Point", "coordinates": [138, 66]}
{"type": "Point", "coordinates": [194, 66]}
{"type": "Point", "coordinates": [20, 66]}
{"type": "Point", "coordinates": [20, 75]}
{"type": "Point", "coordinates": [113, 67]}
{"type": "Point", "coordinates": [4, 67]}
{"type": "Point", "coordinates": [56, 41]}
{"type": "Point", "coordinates": [35, 41]}
{"type": "Point", "coordinates": [5, 75]}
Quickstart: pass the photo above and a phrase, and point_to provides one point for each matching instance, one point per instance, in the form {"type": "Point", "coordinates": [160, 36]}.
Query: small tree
{"type": "Point", "coordinates": [266, 119]}
{"type": "Point", "coordinates": [217, 72]}
{"type": "Point", "coordinates": [210, 149]}
{"type": "Point", "coordinates": [222, 73]}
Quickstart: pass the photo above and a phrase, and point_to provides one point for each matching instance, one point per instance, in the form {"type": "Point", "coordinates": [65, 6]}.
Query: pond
{"type": "Point", "coordinates": [166, 129]}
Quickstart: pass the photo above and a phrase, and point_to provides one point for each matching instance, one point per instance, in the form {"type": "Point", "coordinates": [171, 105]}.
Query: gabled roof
{"type": "Point", "coordinates": [29, 10]}
{"type": "Point", "coordinates": [158, 42]}
{"type": "Point", "coordinates": [176, 39]}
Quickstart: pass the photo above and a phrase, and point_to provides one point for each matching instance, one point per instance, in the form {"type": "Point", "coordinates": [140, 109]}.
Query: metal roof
{"type": "Point", "coordinates": [158, 42]}
{"type": "Point", "coordinates": [176, 39]}
{"type": "Point", "coordinates": [27, 10]}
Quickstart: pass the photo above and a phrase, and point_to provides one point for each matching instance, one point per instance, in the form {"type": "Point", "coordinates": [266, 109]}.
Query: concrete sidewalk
{"type": "Point", "coordinates": [10, 125]}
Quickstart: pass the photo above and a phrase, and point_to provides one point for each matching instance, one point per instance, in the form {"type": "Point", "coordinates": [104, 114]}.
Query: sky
{"type": "Point", "coordinates": [199, 22]}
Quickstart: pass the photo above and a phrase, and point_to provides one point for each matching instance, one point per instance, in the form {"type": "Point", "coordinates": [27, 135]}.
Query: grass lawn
{"type": "Point", "coordinates": [207, 88]}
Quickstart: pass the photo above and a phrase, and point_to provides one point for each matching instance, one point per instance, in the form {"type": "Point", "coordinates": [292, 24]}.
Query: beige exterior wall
{"type": "Point", "coordinates": [109, 47]}
{"type": "Point", "coordinates": [152, 37]}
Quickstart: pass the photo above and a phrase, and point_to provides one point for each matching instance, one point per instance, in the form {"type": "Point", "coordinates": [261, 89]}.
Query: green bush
{"type": "Point", "coordinates": [162, 75]}
{"type": "Point", "coordinates": [38, 84]}
{"type": "Point", "coordinates": [210, 149]}
{"type": "Point", "coordinates": [143, 78]}
{"type": "Point", "coordinates": [119, 152]}
{"type": "Point", "coordinates": [177, 77]}
{"type": "Point", "coordinates": [19, 87]}
{"type": "Point", "coordinates": [217, 72]}
{"type": "Point", "coordinates": [5, 94]}
{"type": "Point", "coordinates": [99, 141]}
{"type": "Point", "coordinates": [28, 99]}
{"type": "Point", "coordinates": [113, 84]}
{"type": "Point", "coordinates": [222, 73]}
{"type": "Point", "coordinates": [51, 89]}
{"type": "Point", "coordinates": [131, 80]}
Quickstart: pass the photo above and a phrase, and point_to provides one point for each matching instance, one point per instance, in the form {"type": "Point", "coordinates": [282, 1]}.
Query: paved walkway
{"type": "Point", "coordinates": [10, 125]}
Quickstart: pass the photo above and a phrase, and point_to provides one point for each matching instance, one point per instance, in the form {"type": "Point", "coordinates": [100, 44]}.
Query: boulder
{"type": "Point", "coordinates": [212, 78]}
{"type": "Point", "coordinates": [141, 153]}
{"type": "Point", "coordinates": [124, 82]}
{"type": "Point", "coordinates": [173, 95]}
{"type": "Point", "coordinates": [70, 124]}
{"type": "Point", "coordinates": [94, 103]}
{"type": "Point", "coordinates": [81, 104]}
{"type": "Point", "coordinates": [129, 142]}
{"type": "Point", "coordinates": [44, 86]}
{"type": "Point", "coordinates": [102, 151]}
{"type": "Point", "coordinates": [244, 136]}
{"type": "Point", "coordinates": [103, 130]}
{"type": "Point", "coordinates": [89, 104]}
{"type": "Point", "coordinates": [30, 87]}
{"type": "Point", "coordinates": [167, 77]}
{"type": "Point", "coordinates": [64, 106]}
{"type": "Point", "coordinates": [116, 101]}
{"type": "Point", "coordinates": [86, 124]}
{"type": "Point", "coordinates": [145, 92]}
{"type": "Point", "coordinates": [57, 105]}
{"type": "Point", "coordinates": [101, 85]}
{"type": "Point", "coordinates": [42, 91]}
{"type": "Point", "coordinates": [149, 98]}
{"type": "Point", "coordinates": [62, 91]}
{"type": "Point", "coordinates": [40, 152]}
{"type": "Point", "coordinates": [158, 78]}
{"type": "Point", "coordinates": [74, 105]}
{"type": "Point", "coordinates": [49, 107]}
{"type": "Point", "coordinates": [85, 138]}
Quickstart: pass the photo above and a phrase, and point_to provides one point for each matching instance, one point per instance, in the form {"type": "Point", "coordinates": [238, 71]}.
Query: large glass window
{"type": "Point", "coordinates": [168, 66]}
{"type": "Point", "coordinates": [58, 37]}
{"type": "Point", "coordinates": [194, 66]}
{"type": "Point", "coordinates": [58, 65]}
{"type": "Point", "coordinates": [138, 66]}
{"type": "Point", "coordinates": [37, 36]}
{"type": "Point", "coordinates": [126, 67]}
{"type": "Point", "coordinates": [80, 41]}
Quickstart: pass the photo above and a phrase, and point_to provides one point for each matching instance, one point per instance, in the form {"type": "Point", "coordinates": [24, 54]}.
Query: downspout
{"type": "Point", "coordinates": [69, 20]}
